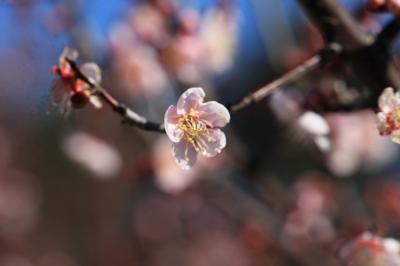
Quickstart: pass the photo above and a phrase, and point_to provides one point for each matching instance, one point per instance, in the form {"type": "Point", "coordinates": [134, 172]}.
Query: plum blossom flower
{"type": "Point", "coordinates": [70, 91]}
{"type": "Point", "coordinates": [370, 250]}
{"type": "Point", "coordinates": [389, 114]}
{"type": "Point", "coordinates": [193, 127]}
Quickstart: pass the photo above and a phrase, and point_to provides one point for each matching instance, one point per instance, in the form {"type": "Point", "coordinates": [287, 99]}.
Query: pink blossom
{"type": "Point", "coordinates": [71, 92]}
{"type": "Point", "coordinates": [389, 115]}
{"type": "Point", "coordinates": [193, 127]}
{"type": "Point", "coordinates": [370, 250]}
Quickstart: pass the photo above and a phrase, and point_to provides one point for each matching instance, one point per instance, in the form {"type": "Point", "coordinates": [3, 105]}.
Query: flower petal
{"type": "Point", "coordinates": [96, 101]}
{"type": "Point", "coordinates": [313, 123]}
{"type": "Point", "coordinates": [191, 98]}
{"type": "Point", "coordinates": [215, 113]}
{"type": "Point", "coordinates": [184, 153]}
{"type": "Point", "coordinates": [382, 124]}
{"type": "Point", "coordinates": [69, 53]}
{"type": "Point", "coordinates": [396, 136]}
{"type": "Point", "coordinates": [171, 118]}
{"type": "Point", "coordinates": [92, 71]}
{"type": "Point", "coordinates": [388, 100]}
{"type": "Point", "coordinates": [213, 142]}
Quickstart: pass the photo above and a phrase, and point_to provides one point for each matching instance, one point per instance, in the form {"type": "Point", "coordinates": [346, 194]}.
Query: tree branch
{"type": "Point", "coordinates": [318, 60]}
{"type": "Point", "coordinates": [128, 115]}
{"type": "Point", "coordinates": [336, 24]}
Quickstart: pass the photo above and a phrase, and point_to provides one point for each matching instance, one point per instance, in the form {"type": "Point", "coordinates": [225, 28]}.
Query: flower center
{"type": "Point", "coordinates": [196, 131]}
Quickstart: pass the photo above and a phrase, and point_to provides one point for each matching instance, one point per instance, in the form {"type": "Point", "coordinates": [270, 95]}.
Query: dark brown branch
{"type": "Point", "coordinates": [387, 36]}
{"type": "Point", "coordinates": [318, 60]}
{"type": "Point", "coordinates": [127, 114]}
{"type": "Point", "coordinates": [335, 23]}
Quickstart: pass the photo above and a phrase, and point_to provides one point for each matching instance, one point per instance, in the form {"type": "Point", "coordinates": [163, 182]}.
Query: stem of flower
{"type": "Point", "coordinates": [128, 115]}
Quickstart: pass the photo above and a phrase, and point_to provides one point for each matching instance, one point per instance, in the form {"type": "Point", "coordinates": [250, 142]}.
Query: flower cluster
{"type": "Point", "coordinates": [370, 249]}
{"type": "Point", "coordinates": [70, 91]}
{"type": "Point", "coordinates": [389, 114]}
{"type": "Point", "coordinates": [193, 127]}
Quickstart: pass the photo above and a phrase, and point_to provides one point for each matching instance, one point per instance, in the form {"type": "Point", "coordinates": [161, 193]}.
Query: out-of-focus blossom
{"type": "Point", "coordinates": [187, 53]}
{"type": "Point", "coordinates": [308, 124]}
{"type": "Point", "coordinates": [316, 125]}
{"type": "Point", "coordinates": [149, 24]}
{"type": "Point", "coordinates": [394, 6]}
{"type": "Point", "coordinates": [219, 30]}
{"type": "Point", "coordinates": [193, 127]}
{"type": "Point", "coordinates": [310, 220]}
{"type": "Point", "coordinates": [356, 145]}
{"type": "Point", "coordinates": [134, 63]}
{"type": "Point", "coordinates": [370, 250]}
{"type": "Point", "coordinates": [389, 114]}
{"type": "Point", "coordinates": [285, 105]}
{"type": "Point", "coordinates": [384, 197]}
{"type": "Point", "coordinates": [70, 91]}
{"type": "Point", "coordinates": [94, 154]}
{"type": "Point", "coordinates": [217, 249]}
{"type": "Point", "coordinates": [376, 5]}
{"type": "Point", "coordinates": [19, 203]}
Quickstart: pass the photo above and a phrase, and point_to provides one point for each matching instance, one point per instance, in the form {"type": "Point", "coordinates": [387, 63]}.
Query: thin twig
{"type": "Point", "coordinates": [318, 60]}
{"type": "Point", "coordinates": [128, 115]}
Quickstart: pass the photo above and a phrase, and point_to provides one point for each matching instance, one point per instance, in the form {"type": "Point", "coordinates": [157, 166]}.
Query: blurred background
{"type": "Point", "coordinates": [88, 190]}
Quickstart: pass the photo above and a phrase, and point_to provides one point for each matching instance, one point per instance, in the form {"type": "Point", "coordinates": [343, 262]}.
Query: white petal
{"type": "Point", "coordinates": [387, 99]}
{"type": "Point", "coordinates": [391, 245]}
{"type": "Point", "coordinates": [396, 136]}
{"type": "Point", "coordinates": [92, 71]}
{"type": "Point", "coordinates": [382, 124]}
{"type": "Point", "coordinates": [69, 53]}
{"type": "Point", "coordinates": [171, 117]}
{"type": "Point", "coordinates": [323, 143]}
{"type": "Point", "coordinates": [215, 113]}
{"type": "Point", "coordinates": [214, 143]}
{"type": "Point", "coordinates": [96, 102]}
{"type": "Point", "coordinates": [314, 123]}
{"type": "Point", "coordinates": [184, 154]}
{"type": "Point", "coordinates": [191, 98]}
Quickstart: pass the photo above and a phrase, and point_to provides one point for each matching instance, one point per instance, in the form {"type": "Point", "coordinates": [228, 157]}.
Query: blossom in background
{"type": "Point", "coordinates": [370, 250]}
{"type": "Point", "coordinates": [96, 155]}
{"type": "Point", "coordinates": [317, 128]}
{"type": "Point", "coordinates": [70, 91]}
{"type": "Point", "coordinates": [389, 114]}
{"type": "Point", "coordinates": [356, 146]}
{"type": "Point", "coordinates": [193, 127]}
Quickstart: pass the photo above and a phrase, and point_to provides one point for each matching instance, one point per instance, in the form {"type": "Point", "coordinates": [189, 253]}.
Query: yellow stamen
{"type": "Point", "coordinates": [195, 129]}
